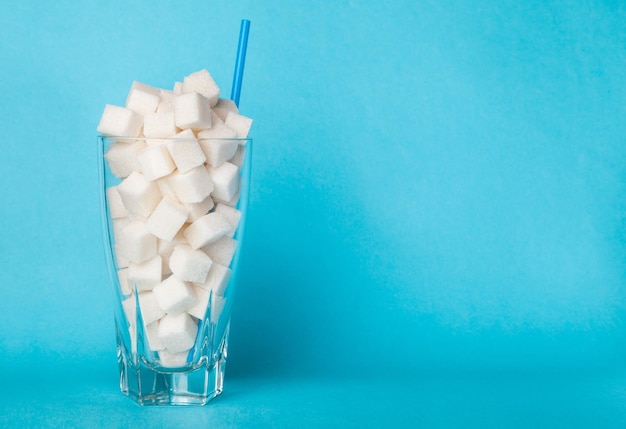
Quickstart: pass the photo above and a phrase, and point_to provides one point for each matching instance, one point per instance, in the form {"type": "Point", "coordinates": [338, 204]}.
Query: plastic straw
{"type": "Point", "coordinates": [241, 60]}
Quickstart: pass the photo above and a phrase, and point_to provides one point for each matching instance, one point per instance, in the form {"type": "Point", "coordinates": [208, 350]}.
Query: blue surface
{"type": "Point", "coordinates": [436, 229]}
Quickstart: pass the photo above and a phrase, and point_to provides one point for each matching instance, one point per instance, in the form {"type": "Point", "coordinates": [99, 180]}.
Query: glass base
{"type": "Point", "coordinates": [149, 384]}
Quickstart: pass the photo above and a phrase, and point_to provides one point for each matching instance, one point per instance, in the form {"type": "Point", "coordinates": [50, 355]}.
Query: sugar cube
{"type": "Point", "coordinates": [174, 295]}
{"type": "Point", "coordinates": [165, 187]}
{"type": "Point", "coordinates": [155, 162]}
{"type": "Point", "coordinates": [142, 98]}
{"type": "Point", "coordinates": [223, 106]}
{"type": "Point", "coordinates": [202, 82]}
{"type": "Point", "coordinates": [239, 156]}
{"type": "Point", "coordinates": [115, 204]}
{"type": "Point", "coordinates": [177, 332]}
{"type": "Point", "coordinates": [217, 279]}
{"type": "Point", "coordinates": [232, 202]}
{"type": "Point", "coordinates": [200, 307]}
{"type": "Point", "coordinates": [226, 181]}
{"type": "Point", "coordinates": [150, 310]}
{"type": "Point", "coordinates": [189, 265]}
{"type": "Point", "coordinates": [238, 123]}
{"type": "Point", "coordinates": [167, 218]}
{"type": "Point", "coordinates": [185, 151]}
{"type": "Point", "coordinates": [120, 121]}
{"type": "Point", "coordinates": [166, 247]}
{"type": "Point", "coordinates": [159, 124]}
{"type": "Point", "coordinates": [192, 186]}
{"type": "Point", "coordinates": [121, 260]}
{"type": "Point", "coordinates": [206, 229]}
{"type": "Point", "coordinates": [192, 111]}
{"type": "Point", "coordinates": [122, 276]}
{"type": "Point", "coordinates": [215, 119]}
{"type": "Point", "coordinates": [231, 214]}
{"type": "Point", "coordinates": [118, 224]}
{"type": "Point", "coordinates": [122, 157]}
{"type": "Point", "coordinates": [152, 333]}
{"type": "Point", "coordinates": [218, 144]}
{"type": "Point", "coordinates": [140, 196]}
{"type": "Point", "coordinates": [172, 360]}
{"type": "Point", "coordinates": [222, 250]}
{"type": "Point", "coordinates": [136, 243]}
{"type": "Point", "coordinates": [196, 210]}
{"type": "Point", "coordinates": [166, 101]}
{"type": "Point", "coordinates": [178, 88]}
{"type": "Point", "coordinates": [145, 275]}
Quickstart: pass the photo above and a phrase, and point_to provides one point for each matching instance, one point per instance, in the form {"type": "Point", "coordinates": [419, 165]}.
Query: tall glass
{"type": "Point", "coordinates": [150, 373]}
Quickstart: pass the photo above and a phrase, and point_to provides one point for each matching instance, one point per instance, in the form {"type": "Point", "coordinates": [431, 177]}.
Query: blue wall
{"type": "Point", "coordinates": [435, 184]}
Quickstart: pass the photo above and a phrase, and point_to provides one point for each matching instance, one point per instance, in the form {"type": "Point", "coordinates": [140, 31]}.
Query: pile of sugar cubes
{"type": "Point", "coordinates": [174, 212]}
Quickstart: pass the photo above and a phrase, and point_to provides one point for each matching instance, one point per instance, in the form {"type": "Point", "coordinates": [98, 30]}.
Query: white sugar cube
{"type": "Point", "coordinates": [217, 303]}
{"type": "Point", "coordinates": [165, 187]}
{"type": "Point", "coordinates": [231, 214]}
{"type": "Point", "coordinates": [174, 295]}
{"type": "Point", "coordinates": [196, 210]}
{"type": "Point", "coordinates": [202, 303]}
{"type": "Point", "coordinates": [177, 89]}
{"type": "Point", "coordinates": [178, 332]}
{"type": "Point", "coordinates": [217, 307]}
{"type": "Point", "coordinates": [142, 98]}
{"type": "Point", "coordinates": [140, 196]}
{"type": "Point", "coordinates": [221, 251]}
{"type": "Point", "coordinates": [215, 119]}
{"type": "Point", "coordinates": [232, 202]}
{"type": "Point", "coordinates": [217, 131]}
{"type": "Point", "coordinates": [150, 310]}
{"type": "Point", "coordinates": [166, 101]}
{"type": "Point", "coordinates": [185, 151]}
{"type": "Point", "coordinates": [192, 186]}
{"type": "Point", "coordinates": [122, 276]}
{"type": "Point", "coordinates": [146, 275]}
{"type": "Point", "coordinates": [167, 218]}
{"type": "Point", "coordinates": [172, 360]}
{"type": "Point", "coordinates": [192, 111]}
{"type": "Point", "coordinates": [155, 162]}
{"type": "Point", "coordinates": [136, 243]}
{"type": "Point", "coordinates": [159, 124]}
{"type": "Point", "coordinates": [152, 333]}
{"type": "Point", "coordinates": [239, 156]}
{"type": "Point", "coordinates": [223, 106]}
{"type": "Point", "coordinates": [121, 260]}
{"type": "Point", "coordinates": [218, 144]}
{"type": "Point", "coordinates": [122, 157]}
{"type": "Point", "coordinates": [189, 265]}
{"type": "Point", "coordinates": [120, 121]}
{"type": "Point", "coordinates": [118, 225]}
{"type": "Point", "coordinates": [166, 247]}
{"type": "Point", "coordinates": [115, 204]}
{"type": "Point", "coordinates": [226, 181]}
{"type": "Point", "coordinates": [217, 279]}
{"type": "Point", "coordinates": [238, 123]}
{"type": "Point", "coordinates": [202, 82]}
{"type": "Point", "coordinates": [206, 229]}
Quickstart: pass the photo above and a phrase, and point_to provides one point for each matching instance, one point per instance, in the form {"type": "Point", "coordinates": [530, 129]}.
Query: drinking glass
{"type": "Point", "coordinates": [149, 373]}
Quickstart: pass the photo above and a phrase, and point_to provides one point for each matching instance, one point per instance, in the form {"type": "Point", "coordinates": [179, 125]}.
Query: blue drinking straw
{"type": "Point", "coordinates": [241, 60]}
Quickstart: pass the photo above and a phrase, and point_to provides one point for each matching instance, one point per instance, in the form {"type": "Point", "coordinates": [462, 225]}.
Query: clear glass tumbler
{"type": "Point", "coordinates": [155, 367]}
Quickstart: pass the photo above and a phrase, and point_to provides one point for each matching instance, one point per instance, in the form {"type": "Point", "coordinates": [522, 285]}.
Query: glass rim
{"type": "Point", "coordinates": [167, 139]}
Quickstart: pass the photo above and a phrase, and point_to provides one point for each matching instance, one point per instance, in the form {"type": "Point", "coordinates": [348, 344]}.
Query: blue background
{"type": "Point", "coordinates": [436, 232]}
